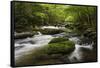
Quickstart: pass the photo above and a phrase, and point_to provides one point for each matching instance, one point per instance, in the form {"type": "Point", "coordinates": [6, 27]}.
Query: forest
{"type": "Point", "coordinates": [69, 22]}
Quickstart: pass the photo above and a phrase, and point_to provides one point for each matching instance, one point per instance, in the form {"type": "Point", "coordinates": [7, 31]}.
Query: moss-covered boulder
{"type": "Point", "coordinates": [60, 48]}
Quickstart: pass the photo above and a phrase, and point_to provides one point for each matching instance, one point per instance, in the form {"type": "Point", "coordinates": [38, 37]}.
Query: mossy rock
{"type": "Point", "coordinates": [55, 40]}
{"type": "Point", "coordinates": [60, 48]}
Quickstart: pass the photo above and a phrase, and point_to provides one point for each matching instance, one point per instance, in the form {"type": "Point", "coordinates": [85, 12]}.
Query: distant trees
{"type": "Point", "coordinates": [29, 16]}
{"type": "Point", "coordinates": [25, 19]}
{"type": "Point", "coordinates": [84, 17]}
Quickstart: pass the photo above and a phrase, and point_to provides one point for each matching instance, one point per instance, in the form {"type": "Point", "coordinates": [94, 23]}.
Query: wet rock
{"type": "Point", "coordinates": [19, 47]}
{"type": "Point", "coordinates": [56, 56]}
{"type": "Point", "coordinates": [64, 59]}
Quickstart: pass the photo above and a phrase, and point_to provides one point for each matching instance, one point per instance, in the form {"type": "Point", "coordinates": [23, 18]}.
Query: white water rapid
{"type": "Point", "coordinates": [23, 47]}
{"type": "Point", "coordinates": [76, 55]}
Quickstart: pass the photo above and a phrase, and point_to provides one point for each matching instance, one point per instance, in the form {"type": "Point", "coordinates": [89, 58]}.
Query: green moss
{"type": "Point", "coordinates": [55, 40]}
{"type": "Point", "coordinates": [60, 48]}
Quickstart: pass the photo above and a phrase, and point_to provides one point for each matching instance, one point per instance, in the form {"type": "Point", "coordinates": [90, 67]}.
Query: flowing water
{"type": "Point", "coordinates": [77, 54]}
{"type": "Point", "coordinates": [24, 46]}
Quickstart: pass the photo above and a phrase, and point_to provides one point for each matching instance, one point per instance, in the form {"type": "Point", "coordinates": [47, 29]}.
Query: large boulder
{"type": "Point", "coordinates": [64, 47]}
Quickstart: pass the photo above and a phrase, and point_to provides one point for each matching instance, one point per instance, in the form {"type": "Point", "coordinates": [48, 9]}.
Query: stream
{"type": "Point", "coordinates": [24, 46]}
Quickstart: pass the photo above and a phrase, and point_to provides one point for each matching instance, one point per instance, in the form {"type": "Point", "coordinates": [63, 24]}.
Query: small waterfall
{"type": "Point", "coordinates": [39, 33]}
{"type": "Point", "coordinates": [88, 46]}
{"type": "Point", "coordinates": [76, 55]}
{"type": "Point", "coordinates": [74, 39]}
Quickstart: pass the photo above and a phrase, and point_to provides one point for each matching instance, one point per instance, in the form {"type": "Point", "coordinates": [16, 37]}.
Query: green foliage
{"type": "Point", "coordinates": [55, 40]}
{"type": "Point", "coordinates": [34, 14]}
{"type": "Point", "coordinates": [84, 17]}
{"type": "Point", "coordinates": [30, 15]}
